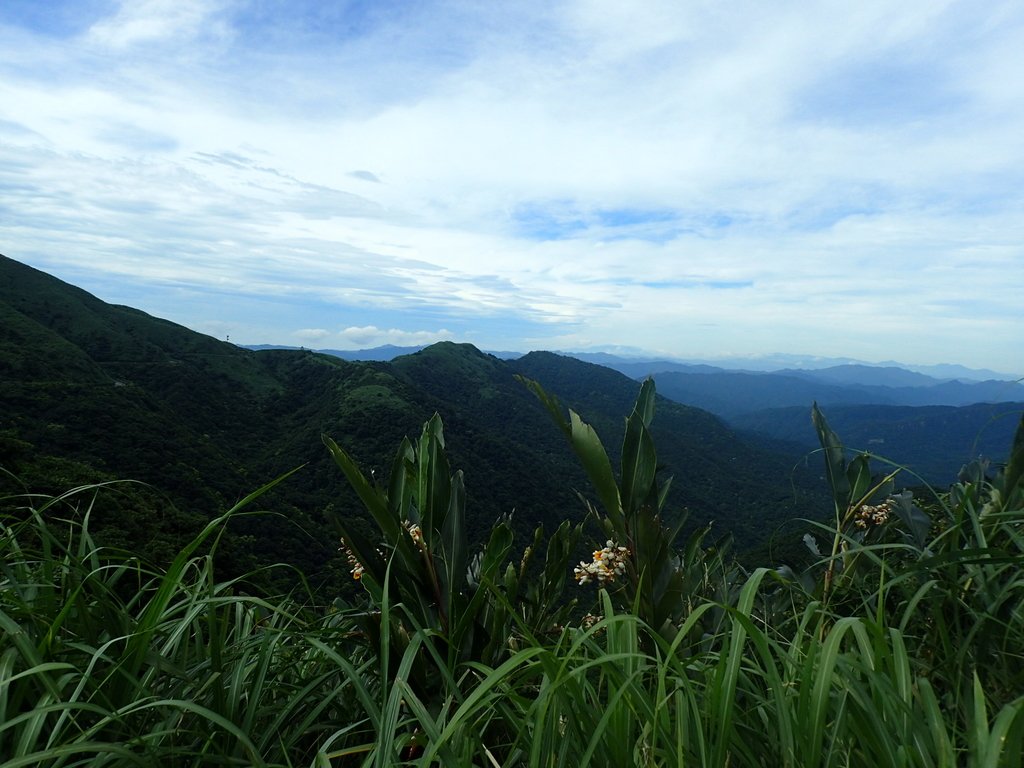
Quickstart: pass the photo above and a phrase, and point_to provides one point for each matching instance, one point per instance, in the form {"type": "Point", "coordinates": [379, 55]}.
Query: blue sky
{"type": "Point", "coordinates": [695, 179]}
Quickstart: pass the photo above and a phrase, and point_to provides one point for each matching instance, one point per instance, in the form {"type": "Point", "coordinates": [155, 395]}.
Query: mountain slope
{"type": "Point", "coordinates": [731, 394]}
{"type": "Point", "coordinates": [106, 391]}
{"type": "Point", "coordinates": [747, 489]}
{"type": "Point", "coordinates": [933, 441]}
{"type": "Point", "coordinates": [867, 375]}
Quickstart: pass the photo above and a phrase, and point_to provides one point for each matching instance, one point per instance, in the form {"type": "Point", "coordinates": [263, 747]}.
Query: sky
{"type": "Point", "coordinates": [689, 178]}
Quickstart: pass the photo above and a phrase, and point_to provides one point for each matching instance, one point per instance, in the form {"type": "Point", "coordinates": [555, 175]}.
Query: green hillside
{"type": "Point", "coordinates": [93, 392]}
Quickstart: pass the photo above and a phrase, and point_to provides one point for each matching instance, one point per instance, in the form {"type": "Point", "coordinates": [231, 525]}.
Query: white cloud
{"type": "Point", "coordinates": [372, 336]}
{"type": "Point", "coordinates": [146, 21]}
{"type": "Point", "coordinates": [818, 175]}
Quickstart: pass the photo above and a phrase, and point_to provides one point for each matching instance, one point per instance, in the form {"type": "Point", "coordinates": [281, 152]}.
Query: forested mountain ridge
{"type": "Point", "coordinates": [833, 370]}
{"type": "Point", "coordinates": [931, 426]}
{"type": "Point", "coordinates": [93, 391]}
{"type": "Point", "coordinates": [730, 394]}
{"type": "Point", "coordinates": [932, 441]}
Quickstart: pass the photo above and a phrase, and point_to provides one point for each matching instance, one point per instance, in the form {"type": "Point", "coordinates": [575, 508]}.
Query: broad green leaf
{"type": "Point", "coordinates": [373, 499]}
{"type": "Point", "coordinates": [835, 461]}
{"type": "Point", "coordinates": [644, 406]}
{"type": "Point", "coordinates": [587, 446]}
{"type": "Point", "coordinates": [912, 516]}
{"type": "Point", "coordinates": [858, 474]}
{"type": "Point", "coordinates": [639, 464]}
{"type": "Point", "coordinates": [454, 546]}
{"type": "Point", "coordinates": [595, 462]}
{"type": "Point", "coordinates": [550, 403]}
{"type": "Point", "coordinates": [434, 479]}
{"type": "Point", "coordinates": [398, 483]}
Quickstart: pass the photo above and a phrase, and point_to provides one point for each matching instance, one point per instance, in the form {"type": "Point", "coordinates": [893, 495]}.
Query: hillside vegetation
{"type": "Point", "coordinates": [92, 392]}
{"type": "Point", "coordinates": [901, 645]}
{"type": "Point", "coordinates": [450, 559]}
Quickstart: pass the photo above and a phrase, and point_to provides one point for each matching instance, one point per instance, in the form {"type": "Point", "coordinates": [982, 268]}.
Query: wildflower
{"type": "Point", "coordinates": [608, 564]}
{"type": "Point", "coordinates": [357, 567]}
{"type": "Point", "coordinates": [868, 515]}
{"type": "Point", "coordinates": [415, 533]}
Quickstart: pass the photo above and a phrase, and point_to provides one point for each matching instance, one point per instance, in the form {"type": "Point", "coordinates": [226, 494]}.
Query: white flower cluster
{"type": "Point", "coordinates": [869, 515]}
{"type": "Point", "coordinates": [608, 563]}
{"type": "Point", "coordinates": [415, 533]}
{"type": "Point", "coordinates": [357, 567]}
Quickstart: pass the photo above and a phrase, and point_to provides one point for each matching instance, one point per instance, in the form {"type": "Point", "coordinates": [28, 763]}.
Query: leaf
{"type": "Point", "coordinates": [550, 402]}
{"type": "Point", "coordinates": [639, 464]}
{"type": "Point", "coordinates": [588, 448]}
{"type": "Point", "coordinates": [835, 461]}
{"type": "Point", "coordinates": [913, 517]}
{"type": "Point", "coordinates": [497, 549]}
{"type": "Point", "coordinates": [398, 484]}
{"type": "Point", "coordinates": [812, 545]}
{"type": "Point", "coordinates": [454, 546]}
{"type": "Point", "coordinates": [433, 494]}
{"type": "Point", "coordinates": [973, 473]}
{"type": "Point", "coordinates": [858, 474]}
{"type": "Point", "coordinates": [644, 406]}
{"type": "Point", "coordinates": [595, 462]}
{"type": "Point", "coordinates": [373, 499]}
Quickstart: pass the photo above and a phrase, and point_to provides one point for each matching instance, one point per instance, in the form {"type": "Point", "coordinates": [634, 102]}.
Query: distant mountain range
{"type": "Point", "coordinates": [932, 441]}
{"type": "Point", "coordinates": [932, 425]}
{"type": "Point", "coordinates": [384, 353]}
{"type": "Point", "coordinates": [637, 365]}
{"type": "Point", "coordinates": [647, 364]}
{"type": "Point", "coordinates": [731, 394]}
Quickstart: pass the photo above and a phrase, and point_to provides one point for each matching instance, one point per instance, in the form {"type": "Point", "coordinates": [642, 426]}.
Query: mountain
{"type": "Point", "coordinates": [93, 392]}
{"type": "Point", "coordinates": [731, 394]}
{"type": "Point", "coordinates": [905, 387]}
{"type": "Point", "coordinates": [639, 365]}
{"type": "Point", "coordinates": [931, 426]}
{"type": "Point", "coordinates": [864, 375]}
{"type": "Point", "coordinates": [951, 371]}
{"type": "Point", "coordinates": [380, 354]}
{"type": "Point", "coordinates": [643, 369]}
{"type": "Point", "coordinates": [384, 353]}
{"type": "Point", "coordinates": [720, 477]}
{"type": "Point", "coordinates": [932, 441]}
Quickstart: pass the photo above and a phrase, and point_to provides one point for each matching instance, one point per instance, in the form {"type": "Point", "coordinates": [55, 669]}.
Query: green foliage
{"type": "Point", "coordinates": [460, 654]}
{"type": "Point", "coordinates": [108, 661]}
{"type": "Point", "coordinates": [420, 576]}
{"type": "Point", "coordinates": [657, 581]}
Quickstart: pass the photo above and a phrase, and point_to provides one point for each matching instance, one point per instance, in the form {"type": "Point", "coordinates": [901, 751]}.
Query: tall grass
{"type": "Point", "coordinates": [105, 661]}
{"type": "Point", "coordinates": [912, 656]}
